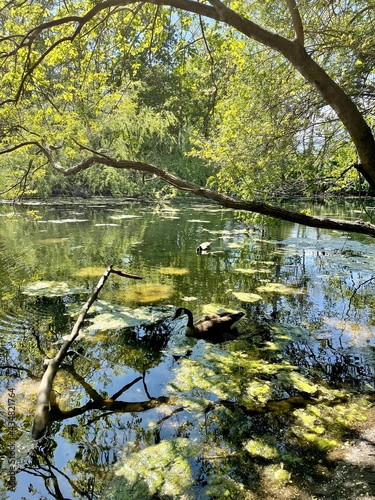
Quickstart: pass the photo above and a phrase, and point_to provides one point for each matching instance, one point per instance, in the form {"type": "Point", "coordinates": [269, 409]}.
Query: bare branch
{"type": "Point", "coordinates": [154, 21]}
{"type": "Point", "coordinates": [41, 417]}
{"type": "Point", "coordinates": [360, 12]}
{"type": "Point", "coordinates": [87, 148]}
{"type": "Point", "coordinates": [212, 64]}
{"type": "Point", "coordinates": [19, 146]}
{"type": "Point", "coordinates": [126, 275]}
{"type": "Point", "coordinates": [148, 179]}
{"type": "Point", "coordinates": [220, 8]}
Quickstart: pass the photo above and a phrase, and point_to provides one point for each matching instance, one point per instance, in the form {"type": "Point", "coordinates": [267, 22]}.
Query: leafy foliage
{"type": "Point", "coordinates": [156, 84]}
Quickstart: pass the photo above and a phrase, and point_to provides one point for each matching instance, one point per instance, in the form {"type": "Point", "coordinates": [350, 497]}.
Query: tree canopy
{"type": "Point", "coordinates": [239, 102]}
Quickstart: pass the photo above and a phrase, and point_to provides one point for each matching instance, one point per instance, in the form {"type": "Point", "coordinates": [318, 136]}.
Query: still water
{"type": "Point", "coordinates": [141, 411]}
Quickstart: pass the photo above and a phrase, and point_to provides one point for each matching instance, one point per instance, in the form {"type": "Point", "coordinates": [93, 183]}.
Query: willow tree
{"type": "Point", "coordinates": [53, 39]}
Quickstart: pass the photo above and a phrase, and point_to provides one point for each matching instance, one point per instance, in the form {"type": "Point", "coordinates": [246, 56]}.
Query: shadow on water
{"type": "Point", "coordinates": [140, 411]}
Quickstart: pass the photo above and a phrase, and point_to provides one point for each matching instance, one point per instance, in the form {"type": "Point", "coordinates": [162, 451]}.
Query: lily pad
{"type": "Point", "coordinates": [235, 245]}
{"type": "Point", "coordinates": [226, 232]}
{"type": "Point", "coordinates": [170, 210]}
{"type": "Point", "coordinates": [247, 297]}
{"type": "Point", "coordinates": [125, 216]}
{"type": "Point", "coordinates": [213, 308]}
{"type": "Point", "coordinates": [51, 289]}
{"type": "Point", "coordinates": [62, 221]}
{"type": "Point", "coordinates": [146, 293]}
{"type": "Point", "coordinates": [199, 221]}
{"type": "Point", "coordinates": [251, 271]}
{"type": "Point", "coordinates": [105, 225]}
{"type": "Point", "coordinates": [280, 288]}
{"type": "Point", "coordinates": [86, 272]}
{"type": "Point", "coordinates": [176, 271]}
{"type": "Point", "coordinates": [259, 447]}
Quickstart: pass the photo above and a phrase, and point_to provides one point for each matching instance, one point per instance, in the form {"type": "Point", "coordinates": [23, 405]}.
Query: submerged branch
{"type": "Point", "coordinates": [107, 405]}
{"type": "Point", "coordinates": [126, 275]}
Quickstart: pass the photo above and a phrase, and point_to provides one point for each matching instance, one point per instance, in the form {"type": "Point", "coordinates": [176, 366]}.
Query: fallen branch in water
{"type": "Point", "coordinates": [42, 412]}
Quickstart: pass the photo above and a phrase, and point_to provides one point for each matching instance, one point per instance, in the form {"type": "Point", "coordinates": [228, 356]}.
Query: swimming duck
{"type": "Point", "coordinates": [204, 247]}
{"type": "Point", "coordinates": [210, 327]}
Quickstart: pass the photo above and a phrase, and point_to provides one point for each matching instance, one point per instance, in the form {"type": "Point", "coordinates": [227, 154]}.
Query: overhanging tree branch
{"type": "Point", "coordinates": [224, 200]}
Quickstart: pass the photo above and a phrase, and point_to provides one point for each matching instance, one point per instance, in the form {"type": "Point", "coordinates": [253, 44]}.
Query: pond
{"type": "Point", "coordinates": [141, 411]}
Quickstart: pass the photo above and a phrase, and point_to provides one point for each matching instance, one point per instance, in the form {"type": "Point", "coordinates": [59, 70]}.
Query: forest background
{"type": "Point", "coordinates": [214, 92]}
